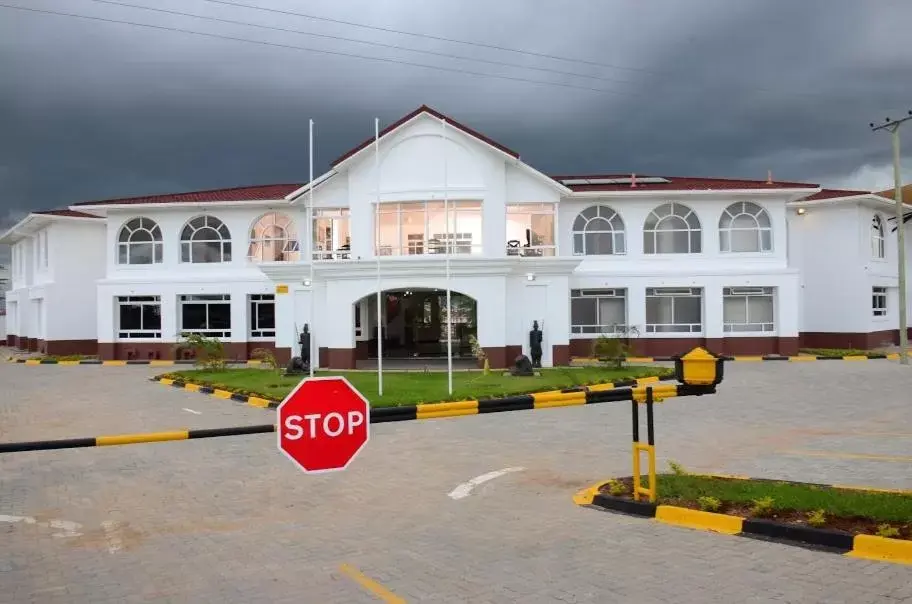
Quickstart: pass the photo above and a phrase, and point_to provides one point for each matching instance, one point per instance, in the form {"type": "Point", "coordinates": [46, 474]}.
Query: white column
{"type": "Point", "coordinates": [713, 310]}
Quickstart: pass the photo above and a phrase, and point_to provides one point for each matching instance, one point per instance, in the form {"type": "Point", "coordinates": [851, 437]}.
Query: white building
{"type": "Point", "coordinates": [728, 264]}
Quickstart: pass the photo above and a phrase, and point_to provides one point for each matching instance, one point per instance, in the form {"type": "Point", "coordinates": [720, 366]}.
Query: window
{"type": "Point", "coordinates": [596, 311]}
{"type": "Point", "coordinates": [138, 317]}
{"type": "Point", "coordinates": [262, 316]}
{"type": "Point", "coordinates": [878, 247]}
{"type": "Point", "coordinates": [139, 242]}
{"type": "Point", "coordinates": [672, 228]}
{"type": "Point", "coordinates": [747, 309]}
{"type": "Point", "coordinates": [745, 227]}
{"type": "Point", "coordinates": [674, 310]}
{"type": "Point", "coordinates": [332, 234]}
{"type": "Point", "coordinates": [273, 239]}
{"type": "Point", "coordinates": [597, 231]}
{"type": "Point", "coordinates": [205, 239]}
{"type": "Point", "coordinates": [879, 301]}
{"type": "Point", "coordinates": [358, 309]}
{"type": "Point", "coordinates": [530, 229]}
{"type": "Point", "coordinates": [417, 228]}
{"type": "Point", "coordinates": [206, 315]}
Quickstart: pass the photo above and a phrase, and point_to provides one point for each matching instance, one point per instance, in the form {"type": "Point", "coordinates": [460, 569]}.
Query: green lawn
{"type": "Point", "coordinates": [888, 507]}
{"type": "Point", "coordinates": [400, 388]}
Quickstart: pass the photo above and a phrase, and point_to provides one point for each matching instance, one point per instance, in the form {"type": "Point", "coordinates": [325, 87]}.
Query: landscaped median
{"type": "Point", "coordinates": [859, 522]}
{"type": "Point", "coordinates": [266, 388]}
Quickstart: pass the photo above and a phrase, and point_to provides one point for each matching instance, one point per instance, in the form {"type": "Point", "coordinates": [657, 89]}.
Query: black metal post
{"type": "Point", "coordinates": [636, 421]}
{"type": "Point", "coordinates": [650, 431]}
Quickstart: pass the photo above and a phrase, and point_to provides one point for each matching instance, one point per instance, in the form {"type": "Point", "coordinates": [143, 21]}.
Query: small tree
{"type": "Point", "coordinates": [614, 346]}
{"type": "Point", "coordinates": [209, 353]}
{"type": "Point", "coordinates": [265, 356]}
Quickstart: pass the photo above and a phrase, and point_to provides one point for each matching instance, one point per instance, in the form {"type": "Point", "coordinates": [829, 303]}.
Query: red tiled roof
{"type": "Point", "coordinates": [438, 115]}
{"type": "Point", "coordinates": [66, 213]}
{"type": "Point", "coordinates": [906, 192]}
{"type": "Point", "coordinates": [254, 193]}
{"type": "Point", "coordinates": [677, 183]}
{"type": "Point", "coordinates": [833, 194]}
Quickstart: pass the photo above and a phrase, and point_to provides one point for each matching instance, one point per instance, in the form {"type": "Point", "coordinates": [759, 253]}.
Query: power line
{"type": "Point", "coordinates": [368, 42]}
{"type": "Point", "coordinates": [316, 50]}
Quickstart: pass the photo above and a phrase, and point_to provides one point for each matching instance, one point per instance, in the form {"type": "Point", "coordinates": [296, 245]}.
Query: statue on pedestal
{"type": "Point", "coordinates": [535, 344]}
{"type": "Point", "coordinates": [301, 364]}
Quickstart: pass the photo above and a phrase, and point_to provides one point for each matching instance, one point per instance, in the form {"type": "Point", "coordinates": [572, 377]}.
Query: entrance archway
{"type": "Point", "coordinates": [414, 324]}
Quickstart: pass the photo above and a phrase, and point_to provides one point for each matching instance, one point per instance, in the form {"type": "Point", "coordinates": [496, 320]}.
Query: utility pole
{"type": "Point", "coordinates": [892, 126]}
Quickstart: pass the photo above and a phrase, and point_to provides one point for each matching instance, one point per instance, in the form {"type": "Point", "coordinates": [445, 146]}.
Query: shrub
{"type": "Point", "coordinates": [817, 518]}
{"type": "Point", "coordinates": [885, 530]}
{"type": "Point", "coordinates": [614, 347]}
{"type": "Point", "coordinates": [709, 504]}
{"type": "Point", "coordinates": [208, 352]}
{"type": "Point", "coordinates": [676, 468]}
{"type": "Point", "coordinates": [762, 507]}
{"type": "Point", "coordinates": [265, 356]}
{"type": "Point", "coordinates": [616, 488]}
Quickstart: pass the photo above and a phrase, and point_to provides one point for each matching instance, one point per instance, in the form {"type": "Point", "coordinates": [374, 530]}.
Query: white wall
{"type": "Point", "coordinates": [76, 261]}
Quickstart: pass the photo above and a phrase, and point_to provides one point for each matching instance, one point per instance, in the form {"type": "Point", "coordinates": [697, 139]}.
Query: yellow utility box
{"type": "Point", "coordinates": [699, 367]}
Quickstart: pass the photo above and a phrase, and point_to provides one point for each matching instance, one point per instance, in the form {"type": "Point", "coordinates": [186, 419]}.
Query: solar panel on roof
{"type": "Point", "coordinates": [575, 181]}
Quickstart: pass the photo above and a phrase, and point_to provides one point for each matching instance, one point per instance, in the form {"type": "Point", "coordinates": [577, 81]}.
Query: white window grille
{"type": "Point", "coordinates": [674, 310]}
{"type": "Point", "coordinates": [672, 228]}
{"type": "Point", "coordinates": [597, 311]}
{"type": "Point", "coordinates": [879, 301]}
{"type": "Point", "coordinates": [262, 316]}
{"type": "Point", "coordinates": [139, 317]}
{"type": "Point", "coordinates": [598, 230]}
{"type": "Point", "coordinates": [745, 227]}
{"type": "Point", "coordinates": [748, 309]}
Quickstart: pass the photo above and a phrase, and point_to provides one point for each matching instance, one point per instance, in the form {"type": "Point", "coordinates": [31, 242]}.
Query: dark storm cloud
{"type": "Point", "coordinates": [715, 88]}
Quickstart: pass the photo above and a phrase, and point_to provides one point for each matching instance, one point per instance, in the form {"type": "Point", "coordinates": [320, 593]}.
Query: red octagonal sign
{"type": "Point", "coordinates": [323, 423]}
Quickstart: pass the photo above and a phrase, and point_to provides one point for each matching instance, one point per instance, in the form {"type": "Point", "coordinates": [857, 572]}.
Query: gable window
{"type": "Point", "coordinates": [332, 234]}
{"type": "Point", "coordinates": [205, 239]}
{"type": "Point", "coordinates": [672, 228]}
{"type": "Point", "coordinates": [747, 309]}
{"type": "Point", "coordinates": [273, 239]}
{"type": "Point", "coordinates": [530, 229]}
{"type": "Point", "coordinates": [139, 242]}
{"type": "Point", "coordinates": [417, 228]}
{"type": "Point", "coordinates": [745, 227]}
{"type": "Point", "coordinates": [262, 316]}
{"type": "Point", "coordinates": [596, 311]}
{"type": "Point", "coordinates": [138, 317]}
{"type": "Point", "coordinates": [674, 310]}
{"type": "Point", "coordinates": [878, 243]}
{"type": "Point", "coordinates": [206, 315]}
{"type": "Point", "coordinates": [879, 301]}
{"type": "Point", "coordinates": [598, 230]}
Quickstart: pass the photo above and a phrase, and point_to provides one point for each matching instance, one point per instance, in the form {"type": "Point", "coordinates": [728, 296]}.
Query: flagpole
{"type": "Point", "coordinates": [310, 247]}
{"type": "Point", "coordinates": [449, 310]}
{"type": "Point", "coordinates": [377, 252]}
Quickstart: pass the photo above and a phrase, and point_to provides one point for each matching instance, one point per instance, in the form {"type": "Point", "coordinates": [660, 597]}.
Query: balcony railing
{"type": "Point", "coordinates": [515, 248]}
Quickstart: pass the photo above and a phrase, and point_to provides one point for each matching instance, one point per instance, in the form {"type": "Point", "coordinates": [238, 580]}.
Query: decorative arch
{"type": "Point", "coordinates": [205, 239]}
{"type": "Point", "coordinates": [672, 228]}
{"type": "Point", "coordinates": [878, 239]}
{"type": "Point", "coordinates": [139, 241]}
{"type": "Point", "coordinates": [599, 230]}
{"type": "Point", "coordinates": [273, 238]}
{"type": "Point", "coordinates": [745, 227]}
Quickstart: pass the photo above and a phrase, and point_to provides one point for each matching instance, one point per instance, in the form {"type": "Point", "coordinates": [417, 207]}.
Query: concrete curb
{"type": "Point", "coordinates": [868, 547]}
{"type": "Point", "coordinates": [892, 356]}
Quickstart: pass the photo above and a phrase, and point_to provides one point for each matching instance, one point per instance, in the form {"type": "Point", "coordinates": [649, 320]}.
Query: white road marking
{"type": "Point", "coordinates": [192, 411]}
{"type": "Point", "coordinates": [465, 489]}
{"type": "Point", "coordinates": [68, 528]}
{"type": "Point", "coordinates": [112, 535]}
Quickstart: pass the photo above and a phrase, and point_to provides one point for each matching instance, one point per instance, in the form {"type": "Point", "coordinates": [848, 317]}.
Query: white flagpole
{"type": "Point", "coordinates": [377, 252]}
{"type": "Point", "coordinates": [310, 247]}
{"type": "Point", "coordinates": [449, 310]}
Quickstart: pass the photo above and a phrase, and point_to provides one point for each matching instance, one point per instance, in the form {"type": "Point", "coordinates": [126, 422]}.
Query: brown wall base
{"type": "Point", "coordinates": [362, 350]}
{"type": "Point", "coordinates": [341, 358]}
{"type": "Point", "coordinates": [863, 341]}
{"type": "Point", "coordinates": [560, 355]}
{"type": "Point", "coordinates": [12, 341]}
{"type": "Point", "coordinates": [68, 347]}
{"type": "Point", "coordinates": [662, 347]}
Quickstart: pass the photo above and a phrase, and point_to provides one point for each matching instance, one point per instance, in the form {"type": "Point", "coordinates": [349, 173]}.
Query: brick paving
{"type": "Point", "coordinates": [231, 520]}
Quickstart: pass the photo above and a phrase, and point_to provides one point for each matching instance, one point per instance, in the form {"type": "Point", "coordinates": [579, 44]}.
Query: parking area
{"type": "Point", "coordinates": [231, 520]}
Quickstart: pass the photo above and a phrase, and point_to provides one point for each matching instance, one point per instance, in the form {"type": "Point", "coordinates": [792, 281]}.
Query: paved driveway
{"type": "Point", "coordinates": [231, 520]}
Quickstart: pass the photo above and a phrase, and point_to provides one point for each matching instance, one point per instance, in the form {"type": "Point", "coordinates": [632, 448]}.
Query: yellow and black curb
{"type": "Point", "coordinates": [856, 546]}
{"type": "Point", "coordinates": [150, 362]}
{"type": "Point", "coordinates": [892, 356]}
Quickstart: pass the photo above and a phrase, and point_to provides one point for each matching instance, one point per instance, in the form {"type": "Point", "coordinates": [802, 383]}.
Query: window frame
{"type": "Point", "coordinates": [157, 241]}
{"type": "Point", "coordinates": [580, 230]}
{"type": "Point", "coordinates": [597, 294]}
{"type": "Point", "coordinates": [531, 209]}
{"type": "Point", "coordinates": [208, 299]}
{"type": "Point", "coordinates": [746, 293]}
{"type": "Point", "coordinates": [651, 233]}
{"type": "Point", "coordinates": [879, 292]}
{"type": "Point", "coordinates": [290, 248]}
{"type": "Point", "coordinates": [224, 241]}
{"type": "Point", "coordinates": [727, 230]}
{"type": "Point", "coordinates": [672, 293]}
{"type": "Point", "coordinates": [141, 334]}
{"type": "Point", "coordinates": [429, 244]}
{"type": "Point", "coordinates": [878, 238]}
{"type": "Point", "coordinates": [336, 217]}
{"type": "Point", "coordinates": [255, 332]}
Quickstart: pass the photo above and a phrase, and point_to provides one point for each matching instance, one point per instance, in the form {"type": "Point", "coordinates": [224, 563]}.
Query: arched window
{"type": "Point", "coordinates": [139, 242]}
{"type": "Point", "coordinates": [205, 239]}
{"type": "Point", "coordinates": [273, 239]}
{"type": "Point", "coordinates": [745, 227]}
{"type": "Point", "coordinates": [878, 247]}
{"type": "Point", "coordinates": [598, 231]}
{"type": "Point", "coordinates": [672, 228]}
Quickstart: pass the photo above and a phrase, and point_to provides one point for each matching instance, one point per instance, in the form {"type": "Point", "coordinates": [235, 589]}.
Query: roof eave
{"type": "Point", "coordinates": [102, 208]}
{"type": "Point", "coordinates": [780, 192]}
{"type": "Point", "coordinates": [293, 196]}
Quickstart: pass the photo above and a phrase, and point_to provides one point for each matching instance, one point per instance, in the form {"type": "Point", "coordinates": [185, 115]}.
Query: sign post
{"type": "Point", "coordinates": [323, 424]}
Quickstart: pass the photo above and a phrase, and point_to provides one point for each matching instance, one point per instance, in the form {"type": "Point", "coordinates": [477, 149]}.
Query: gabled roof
{"type": "Point", "coordinates": [67, 214]}
{"type": "Point", "coordinates": [252, 193]}
{"type": "Point", "coordinates": [439, 116]}
{"type": "Point", "coordinates": [641, 182]}
{"type": "Point", "coordinates": [834, 194]}
{"type": "Point", "coordinates": [38, 220]}
{"type": "Point", "coordinates": [906, 193]}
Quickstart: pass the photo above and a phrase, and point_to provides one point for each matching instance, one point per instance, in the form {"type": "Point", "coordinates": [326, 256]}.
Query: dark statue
{"type": "Point", "coordinates": [522, 366]}
{"type": "Point", "coordinates": [301, 364]}
{"type": "Point", "coordinates": [535, 344]}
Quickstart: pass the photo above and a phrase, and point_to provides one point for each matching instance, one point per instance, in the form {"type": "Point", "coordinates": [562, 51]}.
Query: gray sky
{"type": "Point", "coordinates": [90, 110]}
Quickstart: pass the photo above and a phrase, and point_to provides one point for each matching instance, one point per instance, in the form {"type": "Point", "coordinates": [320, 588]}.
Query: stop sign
{"type": "Point", "coordinates": [323, 423]}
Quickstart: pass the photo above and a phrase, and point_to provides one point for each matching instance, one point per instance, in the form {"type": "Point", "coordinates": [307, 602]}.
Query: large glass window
{"type": "Point", "coordinates": [205, 239]}
{"type": "Point", "coordinates": [138, 317]}
{"type": "Point", "coordinates": [332, 234]}
{"type": "Point", "coordinates": [139, 242]}
{"type": "Point", "coordinates": [674, 310]}
{"type": "Point", "coordinates": [273, 239]}
{"type": "Point", "coordinates": [530, 229]}
{"type": "Point", "coordinates": [262, 316]}
{"type": "Point", "coordinates": [415, 228]}
{"type": "Point", "coordinates": [878, 247]}
{"type": "Point", "coordinates": [747, 309]}
{"type": "Point", "coordinates": [596, 311]}
{"type": "Point", "coordinates": [672, 228]}
{"type": "Point", "coordinates": [879, 301]}
{"type": "Point", "coordinates": [206, 315]}
{"type": "Point", "coordinates": [745, 227]}
{"type": "Point", "coordinates": [598, 230]}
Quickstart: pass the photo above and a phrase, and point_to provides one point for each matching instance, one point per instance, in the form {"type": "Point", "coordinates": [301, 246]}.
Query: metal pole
{"type": "Point", "coordinates": [310, 247]}
{"type": "Point", "coordinates": [901, 250]}
{"type": "Point", "coordinates": [377, 252]}
{"type": "Point", "coordinates": [449, 308]}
